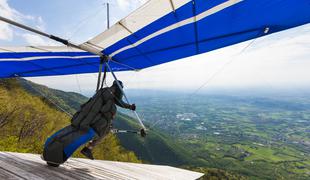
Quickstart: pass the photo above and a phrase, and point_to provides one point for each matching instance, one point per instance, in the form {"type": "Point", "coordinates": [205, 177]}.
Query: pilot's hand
{"type": "Point", "coordinates": [133, 107]}
{"type": "Point", "coordinates": [143, 133]}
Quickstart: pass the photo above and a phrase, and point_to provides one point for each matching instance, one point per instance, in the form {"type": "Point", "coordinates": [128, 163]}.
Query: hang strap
{"type": "Point", "coordinates": [103, 59]}
{"type": "Point", "coordinates": [104, 76]}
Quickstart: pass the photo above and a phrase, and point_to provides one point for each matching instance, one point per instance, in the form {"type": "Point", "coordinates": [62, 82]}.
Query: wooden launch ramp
{"type": "Point", "coordinates": [30, 166]}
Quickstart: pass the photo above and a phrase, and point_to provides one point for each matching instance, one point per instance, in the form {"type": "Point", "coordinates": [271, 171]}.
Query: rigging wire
{"type": "Point", "coordinates": [84, 61]}
{"type": "Point", "coordinates": [125, 65]}
{"type": "Point", "coordinates": [113, 131]}
{"type": "Point", "coordinates": [44, 96]}
{"type": "Point", "coordinates": [212, 76]}
{"type": "Point", "coordinates": [82, 22]}
{"type": "Point", "coordinates": [51, 101]}
{"type": "Point", "coordinates": [219, 71]}
{"type": "Point", "coordinates": [266, 30]}
{"type": "Point", "coordinates": [118, 131]}
{"type": "Point", "coordinates": [76, 75]}
{"type": "Point", "coordinates": [107, 67]}
{"type": "Point", "coordinates": [135, 113]}
{"type": "Point", "coordinates": [78, 83]}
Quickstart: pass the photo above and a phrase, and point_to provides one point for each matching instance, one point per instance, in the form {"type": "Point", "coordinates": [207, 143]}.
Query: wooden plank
{"type": "Point", "coordinates": [30, 166]}
{"type": "Point", "coordinates": [7, 174]}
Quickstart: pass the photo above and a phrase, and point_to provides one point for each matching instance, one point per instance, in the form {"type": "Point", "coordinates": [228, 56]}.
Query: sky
{"type": "Point", "coordinates": [281, 60]}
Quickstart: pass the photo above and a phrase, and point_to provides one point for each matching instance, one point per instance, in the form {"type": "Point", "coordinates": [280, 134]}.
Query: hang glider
{"type": "Point", "coordinates": [159, 32]}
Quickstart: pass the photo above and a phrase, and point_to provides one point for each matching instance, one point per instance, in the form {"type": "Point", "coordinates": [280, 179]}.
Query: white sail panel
{"type": "Point", "coordinates": [146, 14]}
{"type": "Point", "coordinates": [109, 37]}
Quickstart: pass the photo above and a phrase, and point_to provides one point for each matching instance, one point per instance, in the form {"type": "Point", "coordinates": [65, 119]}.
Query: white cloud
{"type": "Point", "coordinates": [126, 5]}
{"type": "Point", "coordinates": [34, 40]}
{"type": "Point", "coordinates": [123, 4]}
{"type": "Point", "coordinates": [142, 1]}
{"type": "Point", "coordinates": [7, 33]}
{"type": "Point", "coordinates": [40, 24]}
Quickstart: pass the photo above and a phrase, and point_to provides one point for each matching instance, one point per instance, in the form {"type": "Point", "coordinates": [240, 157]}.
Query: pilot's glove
{"type": "Point", "coordinates": [133, 107]}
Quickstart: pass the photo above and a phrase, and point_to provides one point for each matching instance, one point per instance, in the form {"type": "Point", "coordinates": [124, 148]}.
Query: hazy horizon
{"type": "Point", "coordinates": [243, 91]}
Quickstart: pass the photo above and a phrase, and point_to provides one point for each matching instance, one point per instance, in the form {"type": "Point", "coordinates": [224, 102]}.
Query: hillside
{"type": "Point", "coordinates": [157, 148]}
{"type": "Point", "coordinates": [27, 120]}
{"type": "Point", "coordinates": [68, 101]}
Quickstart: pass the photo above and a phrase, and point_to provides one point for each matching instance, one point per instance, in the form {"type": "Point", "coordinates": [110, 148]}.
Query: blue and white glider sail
{"type": "Point", "coordinates": [161, 31]}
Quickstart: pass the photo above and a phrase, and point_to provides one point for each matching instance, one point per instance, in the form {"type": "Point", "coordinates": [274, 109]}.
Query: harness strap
{"type": "Point", "coordinates": [102, 60]}
{"type": "Point", "coordinates": [104, 76]}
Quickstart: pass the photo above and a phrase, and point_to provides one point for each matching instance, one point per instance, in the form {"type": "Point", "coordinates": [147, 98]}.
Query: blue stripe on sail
{"type": "Point", "coordinates": [50, 67]}
{"type": "Point", "coordinates": [180, 14]}
{"type": "Point", "coordinates": [241, 22]}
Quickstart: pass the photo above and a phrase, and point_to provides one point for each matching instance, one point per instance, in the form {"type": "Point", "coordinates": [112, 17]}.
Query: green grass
{"type": "Point", "coordinates": [268, 154]}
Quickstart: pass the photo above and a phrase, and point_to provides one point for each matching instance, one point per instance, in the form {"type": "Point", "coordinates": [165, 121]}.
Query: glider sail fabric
{"type": "Point", "coordinates": [162, 31]}
{"type": "Point", "coordinates": [45, 61]}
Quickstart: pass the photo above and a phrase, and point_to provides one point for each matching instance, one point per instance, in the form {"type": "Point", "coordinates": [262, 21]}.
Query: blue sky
{"type": "Point", "coordinates": [75, 19]}
{"type": "Point", "coordinates": [278, 61]}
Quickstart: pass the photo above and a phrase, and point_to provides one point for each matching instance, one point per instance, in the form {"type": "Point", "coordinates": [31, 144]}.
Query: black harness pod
{"type": "Point", "coordinates": [93, 119]}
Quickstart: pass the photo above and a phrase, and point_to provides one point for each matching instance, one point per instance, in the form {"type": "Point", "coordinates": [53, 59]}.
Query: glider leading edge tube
{"type": "Point", "coordinates": [81, 47]}
{"type": "Point", "coordinates": [55, 38]}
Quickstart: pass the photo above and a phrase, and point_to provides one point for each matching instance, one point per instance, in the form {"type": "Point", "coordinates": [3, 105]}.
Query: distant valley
{"type": "Point", "coordinates": [226, 137]}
